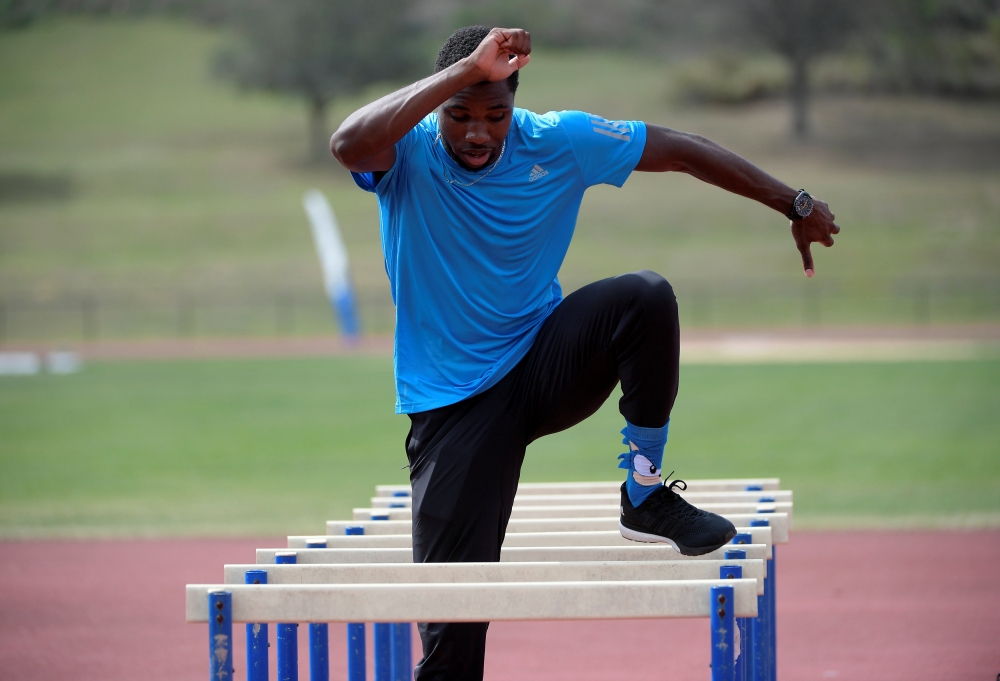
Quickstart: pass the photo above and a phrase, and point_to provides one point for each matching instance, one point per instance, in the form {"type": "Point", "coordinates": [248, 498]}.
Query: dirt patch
{"type": "Point", "coordinates": [216, 348]}
{"type": "Point", "coordinates": [698, 346]}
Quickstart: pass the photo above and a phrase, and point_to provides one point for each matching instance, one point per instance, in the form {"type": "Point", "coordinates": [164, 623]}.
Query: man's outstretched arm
{"type": "Point", "coordinates": [365, 141]}
{"type": "Point", "coordinates": [669, 150]}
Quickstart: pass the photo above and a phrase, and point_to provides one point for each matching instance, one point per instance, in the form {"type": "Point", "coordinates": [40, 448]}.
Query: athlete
{"type": "Point", "coordinates": [478, 202]}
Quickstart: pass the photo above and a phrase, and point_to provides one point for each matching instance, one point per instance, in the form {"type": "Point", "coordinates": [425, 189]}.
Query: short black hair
{"type": "Point", "coordinates": [461, 44]}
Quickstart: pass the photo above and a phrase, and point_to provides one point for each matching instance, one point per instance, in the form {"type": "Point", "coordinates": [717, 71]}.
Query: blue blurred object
{"type": "Point", "coordinates": [334, 262]}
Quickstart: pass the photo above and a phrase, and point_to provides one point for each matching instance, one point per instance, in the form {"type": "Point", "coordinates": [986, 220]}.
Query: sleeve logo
{"type": "Point", "coordinates": [617, 129]}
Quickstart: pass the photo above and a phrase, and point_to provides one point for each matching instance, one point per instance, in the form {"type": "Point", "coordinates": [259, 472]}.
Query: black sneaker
{"type": "Point", "coordinates": [665, 517]}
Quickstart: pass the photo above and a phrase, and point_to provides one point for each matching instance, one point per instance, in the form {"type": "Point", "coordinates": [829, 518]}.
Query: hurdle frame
{"type": "Point", "coordinates": [765, 519]}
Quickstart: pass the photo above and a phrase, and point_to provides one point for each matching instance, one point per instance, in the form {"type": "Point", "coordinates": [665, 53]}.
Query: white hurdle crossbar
{"type": "Point", "coordinates": [696, 498]}
{"type": "Point", "coordinates": [759, 535]}
{"type": "Point", "coordinates": [609, 487]}
{"type": "Point", "coordinates": [471, 601]}
{"type": "Point", "coordinates": [778, 525]}
{"type": "Point", "coordinates": [512, 554]}
{"type": "Point", "coordinates": [426, 573]}
{"type": "Point", "coordinates": [585, 511]}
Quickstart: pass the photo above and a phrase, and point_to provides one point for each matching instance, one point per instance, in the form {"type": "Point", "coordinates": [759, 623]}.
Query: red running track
{"type": "Point", "coordinates": [851, 605]}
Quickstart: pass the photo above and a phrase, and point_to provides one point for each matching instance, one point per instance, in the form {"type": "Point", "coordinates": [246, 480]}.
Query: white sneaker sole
{"type": "Point", "coordinates": [635, 535]}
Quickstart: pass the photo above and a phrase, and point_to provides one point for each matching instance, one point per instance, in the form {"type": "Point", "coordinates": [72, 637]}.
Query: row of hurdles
{"type": "Point", "coordinates": [563, 558]}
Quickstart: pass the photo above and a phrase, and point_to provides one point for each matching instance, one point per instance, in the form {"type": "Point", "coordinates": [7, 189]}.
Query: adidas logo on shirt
{"type": "Point", "coordinates": [537, 173]}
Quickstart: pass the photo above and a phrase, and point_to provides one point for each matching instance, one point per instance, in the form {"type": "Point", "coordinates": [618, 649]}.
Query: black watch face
{"type": "Point", "coordinates": [803, 205]}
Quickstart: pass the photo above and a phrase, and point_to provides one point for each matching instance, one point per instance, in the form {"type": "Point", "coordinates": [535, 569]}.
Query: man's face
{"type": "Point", "coordinates": [474, 123]}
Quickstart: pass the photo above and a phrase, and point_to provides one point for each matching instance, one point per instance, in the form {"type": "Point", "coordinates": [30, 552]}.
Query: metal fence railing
{"type": "Point", "coordinates": [94, 317]}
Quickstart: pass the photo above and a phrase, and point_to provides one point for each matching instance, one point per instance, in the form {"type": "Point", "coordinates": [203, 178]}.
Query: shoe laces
{"type": "Point", "coordinates": [678, 505]}
{"type": "Point", "coordinates": [679, 484]}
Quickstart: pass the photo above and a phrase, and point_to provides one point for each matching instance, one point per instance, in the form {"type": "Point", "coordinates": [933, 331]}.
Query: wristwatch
{"type": "Point", "coordinates": [802, 206]}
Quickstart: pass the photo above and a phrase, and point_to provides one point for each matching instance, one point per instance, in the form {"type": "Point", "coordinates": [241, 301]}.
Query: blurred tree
{"type": "Point", "coordinates": [561, 23]}
{"type": "Point", "coordinates": [321, 49]}
{"type": "Point", "coordinates": [686, 27]}
{"type": "Point", "coordinates": [548, 24]}
{"type": "Point", "coordinates": [194, 8]}
{"type": "Point", "coordinates": [801, 31]}
{"type": "Point", "coordinates": [16, 14]}
{"type": "Point", "coordinates": [945, 47]}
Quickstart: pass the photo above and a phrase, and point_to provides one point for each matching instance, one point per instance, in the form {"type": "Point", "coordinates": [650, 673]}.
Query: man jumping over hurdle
{"type": "Point", "coordinates": [478, 202]}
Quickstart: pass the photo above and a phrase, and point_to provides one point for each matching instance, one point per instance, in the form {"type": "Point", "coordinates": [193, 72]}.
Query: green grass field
{"type": "Point", "coordinates": [181, 184]}
{"type": "Point", "coordinates": [251, 447]}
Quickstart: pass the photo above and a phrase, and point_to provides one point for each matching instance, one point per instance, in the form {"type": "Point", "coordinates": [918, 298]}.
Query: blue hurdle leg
{"type": "Point", "coordinates": [722, 633]}
{"type": "Point", "coordinates": [382, 641]}
{"type": "Point", "coordinates": [257, 643]}
{"type": "Point", "coordinates": [741, 624]}
{"type": "Point", "coordinates": [288, 636]}
{"type": "Point", "coordinates": [756, 648]}
{"type": "Point", "coordinates": [736, 572]}
{"type": "Point", "coordinates": [772, 652]}
{"type": "Point", "coordinates": [355, 633]}
{"type": "Point", "coordinates": [760, 634]}
{"type": "Point", "coordinates": [319, 639]}
{"type": "Point", "coordinates": [356, 652]}
{"type": "Point", "coordinates": [220, 635]}
{"type": "Point", "coordinates": [773, 613]}
{"type": "Point", "coordinates": [743, 668]}
{"type": "Point", "coordinates": [288, 652]}
{"type": "Point", "coordinates": [319, 652]}
{"type": "Point", "coordinates": [402, 658]}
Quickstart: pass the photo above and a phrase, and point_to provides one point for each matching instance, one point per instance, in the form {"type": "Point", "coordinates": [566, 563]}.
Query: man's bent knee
{"type": "Point", "coordinates": [650, 288]}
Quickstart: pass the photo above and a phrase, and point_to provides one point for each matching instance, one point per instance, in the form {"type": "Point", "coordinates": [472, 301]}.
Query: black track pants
{"type": "Point", "coordinates": [465, 458]}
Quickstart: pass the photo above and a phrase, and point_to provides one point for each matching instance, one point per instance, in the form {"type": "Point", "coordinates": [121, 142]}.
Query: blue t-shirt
{"type": "Point", "coordinates": [473, 268]}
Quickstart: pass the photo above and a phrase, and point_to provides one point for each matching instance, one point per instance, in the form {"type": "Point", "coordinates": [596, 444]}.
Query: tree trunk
{"type": "Point", "coordinates": [319, 139]}
{"type": "Point", "coordinates": [800, 94]}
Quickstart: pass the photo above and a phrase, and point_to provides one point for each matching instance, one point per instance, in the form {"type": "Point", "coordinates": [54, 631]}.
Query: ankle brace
{"type": "Point", "coordinates": [643, 460]}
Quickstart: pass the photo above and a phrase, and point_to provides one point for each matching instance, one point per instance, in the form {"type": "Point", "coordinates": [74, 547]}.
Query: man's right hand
{"type": "Point", "coordinates": [493, 56]}
{"type": "Point", "coordinates": [365, 140]}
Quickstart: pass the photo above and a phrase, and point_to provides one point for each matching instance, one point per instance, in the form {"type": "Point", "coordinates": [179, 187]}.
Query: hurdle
{"type": "Point", "coordinates": [721, 599]}
{"type": "Point", "coordinates": [511, 554]}
{"type": "Point", "coordinates": [420, 573]}
{"type": "Point", "coordinates": [698, 498]}
{"type": "Point", "coordinates": [553, 567]}
{"type": "Point", "coordinates": [586, 511]}
{"type": "Point", "coordinates": [612, 487]}
{"type": "Point", "coordinates": [778, 526]}
{"type": "Point", "coordinates": [540, 501]}
{"type": "Point", "coordinates": [531, 498]}
{"type": "Point", "coordinates": [759, 535]}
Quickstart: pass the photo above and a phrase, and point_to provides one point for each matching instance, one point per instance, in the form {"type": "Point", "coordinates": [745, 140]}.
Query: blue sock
{"type": "Point", "coordinates": [643, 460]}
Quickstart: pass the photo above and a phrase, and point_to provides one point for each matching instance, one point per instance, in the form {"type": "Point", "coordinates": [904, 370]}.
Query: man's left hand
{"type": "Point", "coordinates": [819, 227]}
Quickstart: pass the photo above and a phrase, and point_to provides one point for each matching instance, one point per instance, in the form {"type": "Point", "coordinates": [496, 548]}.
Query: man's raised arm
{"type": "Point", "coordinates": [365, 141]}
{"type": "Point", "coordinates": [669, 150]}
